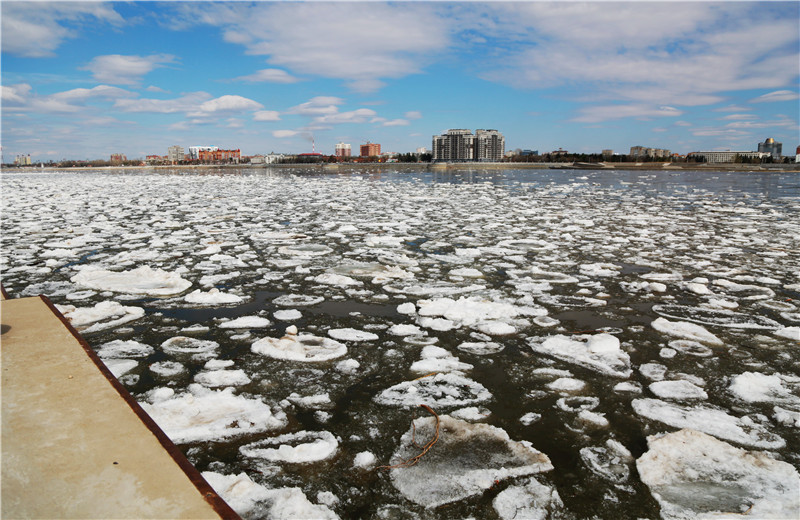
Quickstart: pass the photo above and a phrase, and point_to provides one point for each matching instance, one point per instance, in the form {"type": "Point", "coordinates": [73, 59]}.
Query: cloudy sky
{"type": "Point", "coordinates": [84, 80]}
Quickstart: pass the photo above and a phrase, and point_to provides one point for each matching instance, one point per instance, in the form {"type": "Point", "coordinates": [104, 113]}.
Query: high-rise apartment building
{"type": "Point", "coordinates": [643, 151]}
{"type": "Point", "coordinates": [771, 147]}
{"type": "Point", "coordinates": [175, 154]}
{"type": "Point", "coordinates": [23, 160]}
{"type": "Point", "coordinates": [370, 149]}
{"type": "Point", "coordinates": [490, 145]}
{"type": "Point", "coordinates": [194, 151]}
{"type": "Point", "coordinates": [461, 145]}
{"type": "Point", "coordinates": [343, 150]}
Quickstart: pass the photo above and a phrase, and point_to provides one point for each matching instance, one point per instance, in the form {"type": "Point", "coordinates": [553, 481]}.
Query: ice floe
{"type": "Point", "coordinates": [142, 280]}
{"type": "Point", "coordinates": [530, 500]}
{"type": "Point", "coordinates": [686, 330]}
{"type": "Point", "coordinates": [187, 345]}
{"type": "Point", "coordinates": [349, 334]}
{"type": "Point", "coordinates": [448, 472]}
{"type": "Point", "coordinates": [246, 322]}
{"type": "Point", "coordinates": [440, 390]}
{"type": "Point", "coordinates": [300, 347]}
{"type": "Point", "coordinates": [611, 462]}
{"type": "Point", "coordinates": [599, 352]}
{"type": "Point", "coordinates": [694, 475]}
{"type": "Point", "coordinates": [711, 420]}
{"type": "Point", "coordinates": [119, 348]}
{"type": "Point", "coordinates": [297, 448]}
{"type": "Point", "coordinates": [213, 297]}
{"type": "Point", "coordinates": [201, 414]}
{"type": "Point", "coordinates": [102, 316]}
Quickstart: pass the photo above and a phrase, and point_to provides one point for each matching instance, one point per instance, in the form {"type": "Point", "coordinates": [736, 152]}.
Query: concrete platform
{"type": "Point", "coordinates": [75, 444]}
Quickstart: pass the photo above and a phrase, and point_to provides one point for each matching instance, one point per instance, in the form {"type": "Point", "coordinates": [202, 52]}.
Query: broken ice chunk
{"type": "Point", "coordinates": [686, 330]}
{"type": "Point", "coordinates": [440, 390]}
{"type": "Point", "coordinates": [608, 358]}
{"type": "Point", "coordinates": [297, 448]}
{"type": "Point", "coordinates": [303, 347]}
{"type": "Point", "coordinates": [694, 475]}
{"type": "Point", "coordinates": [142, 280]}
{"type": "Point", "coordinates": [530, 500]}
{"type": "Point", "coordinates": [466, 460]}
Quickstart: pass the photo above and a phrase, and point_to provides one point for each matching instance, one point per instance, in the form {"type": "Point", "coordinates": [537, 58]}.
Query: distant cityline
{"type": "Point", "coordinates": [455, 145]}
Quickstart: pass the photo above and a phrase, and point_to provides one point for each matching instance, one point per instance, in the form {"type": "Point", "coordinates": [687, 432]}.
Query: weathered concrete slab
{"type": "Point", "coordinates": [75, 444]}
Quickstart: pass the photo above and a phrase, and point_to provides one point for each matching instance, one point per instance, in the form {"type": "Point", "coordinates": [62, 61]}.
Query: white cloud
{"type": "Point", "coordinates": [270, 76]}
{"type": "Point", "coordinates": [740, 117]}
{"type": "Point", "coordinates": [360, 115]}
{"type": "Point", "coordinates": [18, 98]}
{"type": "Point", "coordinates": [361, 44]}
{"type": "Point", "coordinates": [596, 114]}
{"type": "Point", "coordinates": [36, 29]}
{"type": "Point", "coordinates": [227, 104]}
{"type": "Point", "coordinates": [15, 94]}
{"type": "Point", "coordinates": [397, 122]}
{"type": "Point", "coordinates": [125, 70]}
{"type": "Point", "coordinates": [779, 95]}
{"type": "Point", "coordinates": [184, 103]}
{"type": "Point", "coordinates": [267, 115]}
{"type": "Point", "coordinates": [318, 106]}
{"type": "Point", "coordinates": [414, 114]}
{"type": "Point", "coordinates": [282, 134]}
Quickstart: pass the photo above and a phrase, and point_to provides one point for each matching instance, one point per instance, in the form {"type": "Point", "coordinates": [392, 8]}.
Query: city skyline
{"type": "Point", "coordinates": [91, 79]}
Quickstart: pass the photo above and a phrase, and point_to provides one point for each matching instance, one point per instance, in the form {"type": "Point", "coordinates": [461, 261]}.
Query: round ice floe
{"type": "Point", "coordinates": [167, 368]}
{"type": "Point", "coordinates": [466, 272]}
{"type": "Point", "coordinates": [336, 279]}
{"type": "Point", "coordinates": [288, 315]}
{"type": "Point", "coordinates": [103, 316]}
{"type": "Point", "coordinates": [211, 415]}
{"type": "Point", "coordinates": [449, 472]}
{"type": "Point", "coordinates": [694, 475]}
{"type": "Point", "coordinates": [80, 295]}
{"type": "Point", "coordinates": [437, 359]}
{"type": "Point", "coordinates": [693, 348]}
{"type": "Point", "coordinates": [755, 387]}
{"type": "Point", "coordinates": [364, 460]}
{"type": "Point", "coordinates": [120, 367]}
{"type": "Point", "coordinates": [297, 300]}
{"type": "Point", "coordinates": [716, 317]}
{"type": "Point", "coordinates": [563, 300]}
{"type": "Point", "coordinates": [546, 321]}
{"type": "Point", "coordinates": [404, 330]}
{"type": "Point", "coordinates": [407, 308]}
{"type": "Point", "coordinates": [303, 347]}
{"type": "Point", "coordinates": [530, 418]}
{"type": "Point", "coordinates": [222, 378]}
{"type": "Point", "coordinates": [611, 462]}
{"type": "Point", "coordinates": [305, 250]}
{"type": "Point", "coordinates": [348, 334]}
{"type": "Point", "coordinates": [124, 349]}
{"type": "Point", "coordinates": [566, 384]}
{"type": "Point", "coordinates": [212, 297]}
{"type": "Point", "coordinates": [439, 390]}
{"type": "Point", "coordinates": [246, 322]}
{"type": "Point", "coordinates": [142, 280]}
{"type": "Point", "coordinates": [682, 329]}
{"type": "Point", "coordinates": [481, 348]}
{"type": "Point", "coordinates": [710, 420]}
{"type": "Point", "coordinates": [187, 345]}
{"type": "Point", "coordinates": [789, 332]}
{"type": "Point", "coordinates": [530, 500]}
{"type": "Point", "coordinates": [578, 404]}
{"type": "Point", "coordinates": [677, 390]}
{"type": "Point", "coordinates": [300, 447]}
{"type": "Point", "coordinates": [577, 349]}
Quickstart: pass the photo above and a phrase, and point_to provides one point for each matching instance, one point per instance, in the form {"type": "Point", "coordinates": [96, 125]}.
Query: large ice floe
{"type": "Point", "coordinates": [694, 475]}
{"type": "Point", "coordinates": [102, 316]}
{"type": "Point", "coordinates": [300, 347]}
{"type": "Point", "coordinates": [467, 459]}
{"type": "Point", "coordinates": [300, 447]}
{"type": "Point", "coordinates": [200, 414]}
{"type": "Point", "coordinates": [447, 389]}
{"type": "Point", "coordinates": [142, 280]}
{"type": "Point", "coordinates": [599, 352]}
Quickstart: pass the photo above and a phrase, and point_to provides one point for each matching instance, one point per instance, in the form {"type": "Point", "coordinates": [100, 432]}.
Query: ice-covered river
{"type": "Point", "coordinates": [595, 344]}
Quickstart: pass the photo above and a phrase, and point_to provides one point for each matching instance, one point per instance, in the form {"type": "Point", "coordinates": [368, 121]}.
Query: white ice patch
{"type": "Point", "coordinates": [336, 279]}
{"type": "Point", "coordinates": [365, 460]}
{"type": "Point", "coordinates": [288, 315]}
{"type": "Point", "coordinates": [566, 384]}
{"type": "Point", "coordinates": [296, 448]}
{"type": "Point", "coordinates": [246, 322]}
{"type": "Point", "coordinates": [118, 349]}
{"type": "Point", "coordinates": [212, 297]}
{"type": "Point", "coordinates": [201, 414]}
{"type": "Point", "coordinates": [187, 345]}
{"type": "Point", "coordinates": [694, 475]}
{"type": "Point", "coordinates": [222, 378]}
{"type": "Point", "coordinates": [437, 391]}
{"type": "Point", "coordinates": [103, 316]}
{"type": "Point", "coordinates": [437, 359]}
{"type": "Point", "coordinates": [448, 472]}
{"type": "Point", "coordinates": [120, 367]}
{"type": "Point", "coordinates": [755, 387]}
{"type": "Point", "coordinates": [303, 347]}
{"type": "Point", "coordinates": [297, 300]}
{"type": "Point", "coordinates": [142, 280]}
{"type": "Point", "coordinates": [611, 462]}
{"type": "Point", "coordinates": [712, 421]}
{"type": "Point", "coordinates": [530, 500]}
{"type": "Point", "coordinates": [716, 317]}
{"type": "Point", "coordinates": [678, 390]}
{"type": "Point", "coordinates": [355, 335]}
{"type": "Point", "coordinates": [600, 352]}
{"type": "Point", "coordinates": [686, 330]}
{"type": "Point", "coordinates": [167, 368]}
{"type": "Point", "coordinates": [789, 333]}
{"type": "Point", "coordinates": [481, 348]}
{"type": "Point", "coordinates": [405, 330]}
{"type": "Point", "coordinates": [490, 317]}
{"type": "Point", "coordinates": [250, 499]}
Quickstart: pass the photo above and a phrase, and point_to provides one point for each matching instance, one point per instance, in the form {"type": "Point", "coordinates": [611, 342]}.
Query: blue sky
{"type": "Point", "coordinates": [84, 80]}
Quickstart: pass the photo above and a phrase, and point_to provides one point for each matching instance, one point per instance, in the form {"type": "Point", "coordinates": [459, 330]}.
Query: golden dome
{"type": "Point", "coordinates": [769, 140]}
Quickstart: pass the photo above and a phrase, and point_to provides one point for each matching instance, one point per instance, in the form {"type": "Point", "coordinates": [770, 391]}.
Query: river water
{"type": "Point", "coordinates": [577, 311]}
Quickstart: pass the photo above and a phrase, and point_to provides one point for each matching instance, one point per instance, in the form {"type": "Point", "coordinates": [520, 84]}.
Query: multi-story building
{"type": "Point", "coordinates": [118, 157]}
{"type": "Point", "coordinates": [771, 147]}
{"type": "Point", "coordinates": [421, 150]}
{"type": "Point", "coordinates": [728, 156]}
{"type": "Point", "coordinates": [194, 151]}
{"type": "Point", "coordinates": [643, 151]}
{"type": "Point", "coordinates": [23, 160]}
{"type": "Point", "coordinates": [219, 155]}
{"type": "Point", "coordinates": [343, 150]}
{"type": "Point", "coordinates": [175, 154]}
{"type": "Point", "coordinates": [370, 149]}
{"type": "Point", "coordinates": [454, 145]}
{"type": "Point", "coordinates": [490, 145]}
{"type": "Point", "coordinates": [607, 153]}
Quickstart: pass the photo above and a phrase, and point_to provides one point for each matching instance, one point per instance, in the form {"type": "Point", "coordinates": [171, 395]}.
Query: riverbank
{"type": "Point", "coordinates": [417, 167]}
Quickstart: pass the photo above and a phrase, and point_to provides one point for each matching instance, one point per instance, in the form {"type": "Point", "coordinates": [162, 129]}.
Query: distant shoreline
{"type": "Point", "coordinates": [793, 167]}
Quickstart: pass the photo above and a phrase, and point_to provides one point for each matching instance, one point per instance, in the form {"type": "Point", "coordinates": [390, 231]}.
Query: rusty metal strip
{"type": "Point", "coordinates": [215, 501]}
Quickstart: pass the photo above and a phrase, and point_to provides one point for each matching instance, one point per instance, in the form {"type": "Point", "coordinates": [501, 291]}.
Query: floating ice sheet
{"type": "Point", "coordinates": [437, 391]}
{"type": "Point", "coordinates": [103, 316]}
{"type": "Point", "coordinates": [694, 475]}
{"type": "Point", "coordinates": [302, 347]}
{"type": "Point", "coordinates": [299, 447]}
{"type": "Point", "coordinates": [142, 280]}
{"type": "Point", "coordinates": [599, 352]}
{"type": "Point", "coordinates": [449, 472]}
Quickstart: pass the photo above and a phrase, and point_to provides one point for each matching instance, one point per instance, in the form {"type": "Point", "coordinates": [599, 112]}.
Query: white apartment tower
{"type": "Point", "coordinates": [343, 150]}
{"type": "Point", "coordinates": [490, 145]}
{"type": "Point", "coordinates": [175, 154]}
